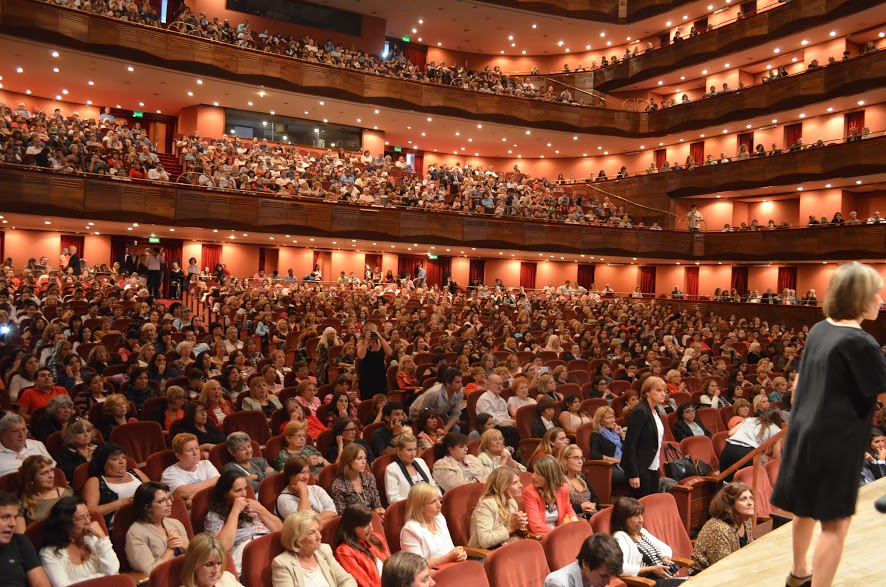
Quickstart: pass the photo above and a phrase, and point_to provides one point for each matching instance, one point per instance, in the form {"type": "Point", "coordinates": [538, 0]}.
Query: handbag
{"type": "Point", "coordinates": [677, 465]}
{"type": "Point", "coordinates": [702, 468]}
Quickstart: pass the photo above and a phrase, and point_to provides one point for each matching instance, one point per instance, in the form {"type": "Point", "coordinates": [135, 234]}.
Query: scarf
{"type": "Point", "coordinates": [406, 474]}
{"type": "Point", "coordinates": [613, 437]}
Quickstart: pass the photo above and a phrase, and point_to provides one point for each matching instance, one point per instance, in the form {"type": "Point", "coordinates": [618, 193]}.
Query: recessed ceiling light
{"type": "Point", "coordinates": [130, 68]}
{"type": "Point", "coordinates": [776, 50]}
{"type": "Point", "coordinates": [55, 69]}
{"type": "Point", "coordinates": [215, 103]}
{"type": "Point", "coordinates": [65, 92]}
{"type": "Point", "coordinates": [861, 102]}
{"type": "Point", "coordinates": [830, 109]}
{"type": "Point", "coordinates": [55, 53]}
{"type": "Point", "coordinates": [190, 93]}
{"type": "Point", "coordinates": [827, 185]}
{"type": "Point", "coordinates": [249, 103]}
{"type": "Point", "coordinates": [20, 70]}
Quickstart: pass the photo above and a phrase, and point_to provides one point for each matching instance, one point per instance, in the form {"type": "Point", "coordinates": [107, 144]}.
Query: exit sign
{"type": "Point", "coordinates": [405, 39]}
{"type": "Point", "coordinates": [398, 149]}
{"type": "Point", "coordinates": [153, 239]}
{"type": "Point", "coordinates": [432, 257]}
{"type": "Point", "coordinates": [137, 114]}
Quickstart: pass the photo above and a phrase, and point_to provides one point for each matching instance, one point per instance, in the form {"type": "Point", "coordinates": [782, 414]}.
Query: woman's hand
{"type": "Point", "coordinates": [239, 505]}
{"type": "Point", "coordinates": [339, 441]}
{"type": "Point", "coordinates": [95, 529]}
{"type": "Point", "coordinates": [634, 482]}
{"type": "Point", "coordinates": [381, 514]}
{"type": "Point", "coordinates": [457, 554]}
{"type": "Point", "coordinates": [173, 540]}
{"type": "Point", "coordinates": [588, 507]}
{"type": "Point", "coordinates": [518, 522]}
{"type": "Point", "coordinates": [253, 507]}
{"type": "Point", "coordinates": [656, 571]}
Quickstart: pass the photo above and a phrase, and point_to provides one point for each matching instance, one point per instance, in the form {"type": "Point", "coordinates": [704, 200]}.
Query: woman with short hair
{"type": "Point", "coordinates": [254, 469]}
{"type": "Point", "coordinates": [644, 554]}
{"type": "Point", "coordinates": [454, 466]}
{"type": "Point", "coordinates": [306, 562]}
{"type": "Point", "coordinates": [110, 485]}
{"type": "Point", "coordinates": [425, 531]}
{"type": "Point", "coordinates": [217, 405]}
{"type": "Point", "coordinates": [493, 453]}
{"type": "Point", "coordinates": [295, 438]}
{"type": "Point", "coordinates": [686, 424]}
{"type": "Point", "coordinates": [729, 528]}
{"type": "Point", "coordinates": [77, 447]}
{"type": "Point", "coordinates": [59, 412]}
{"type": "Point", "coordinates": [299, 495]}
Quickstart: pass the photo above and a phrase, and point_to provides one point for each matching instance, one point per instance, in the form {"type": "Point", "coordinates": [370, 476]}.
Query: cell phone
{"type": "Point", "coordinates": [544, 369]}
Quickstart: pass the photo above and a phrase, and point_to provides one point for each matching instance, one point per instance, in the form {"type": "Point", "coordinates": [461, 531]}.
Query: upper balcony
{"type": "Point", "coordinates": [185, 53]}
{"type": "Point", "coordinates": [594, 10]}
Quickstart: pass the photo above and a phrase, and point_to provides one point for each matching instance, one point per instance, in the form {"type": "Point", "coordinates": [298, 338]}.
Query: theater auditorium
{"type": "Point", "coordinates": [353, 293]}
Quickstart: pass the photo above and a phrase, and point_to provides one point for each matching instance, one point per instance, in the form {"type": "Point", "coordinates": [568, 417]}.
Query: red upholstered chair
{"type": "Point", "coordinates": [719, 442]}
{"type": "Point", "coordinates": [692, 384]}
{"type": "Point", "coordinates": [110, 581]}
{"type": "Point", "coordinates": [257, 558]}
{"type": "Point", "coordinates": [139, 439]}
{"type": "Point", "coordinates": [269, 488]}
{"type": "Point", "coordinates": [726, 414]}
{"type": "Point", "coordinates": [590, 406]}
{"type": "Point", "coordinates": [378, 471]}
{"type": "Point", "coordinates": [324, 441]}
{"type": "Point", "coordinates": [370, 429]}
{"type": "Point", "coordinates": [429, 456]}
{"type": "Point", "coordinates": [578, 365]}
{"type": "Point", "coordinates": [126, 516]}
{"type": "Point", "coordinates": [327, 474]}
{"type": "Point", "coordinates": [153, 409]}
{"type": "Point", "coordinates": [619, 387]}
{"type": "Point", "coordinates": [662, 519]}
{"type": "Point", "coordinates": [251, 422]}
{"type": "Point", "coordinates": [561, 545]}
{"type": "Point", "coordinates": [273, 447]}
{"type": "Point", "coordinates": [525, 417]}
{"type": "Point", "coordinates": [772, 468]}
{"type": "Point", "coordinates": [710, 418]}
{"type": "Point", "coordinates": [458, 503]}
{"type": "Point", "coordinates": [461, 574]}
{"type": "Point", "coordinates": [601, 521]}
{"type": "Point", "coordinates": [168, 574]}
{"type": "Point", "coordinates": [700, 447]}
{"type": "Point", "coordinates": [518, 564]}
{"type": "Point", "coordinates": [682, 397]}
{"type": "Point", "coordinates": [158, 462]}
{"type": "Point", "coordinates": [395, 517]}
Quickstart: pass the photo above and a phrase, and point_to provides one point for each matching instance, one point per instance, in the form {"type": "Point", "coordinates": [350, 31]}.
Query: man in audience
{"type": "Point", "coordinates": [406, 569]}
{"type": "Point", "coordinates": [190, 474]}
{"type": "Point", "coordinates": [38, 396]}
{"type": "Point", "coordinates": [491, 402]}
{"type": "Point", "coordinates": [444, 399]}
{"type": "Point", "coordinates": [19, 564]}
{"type": "Point", "coordinates": [599, 559]}
{"type": "Point", "coordinates": [385, 438]}
{"type": "Point", "coordinates": [16, 446]}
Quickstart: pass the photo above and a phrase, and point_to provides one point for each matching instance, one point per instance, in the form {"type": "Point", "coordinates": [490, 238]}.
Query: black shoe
{"type": "Point", "coordinates": [794, 581]}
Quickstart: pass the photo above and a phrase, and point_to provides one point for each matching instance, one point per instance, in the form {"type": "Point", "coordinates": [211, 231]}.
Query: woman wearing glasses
{"type": "Point", "coordinates": [581, 495]}
{"type": "Point", "coordinates": [155, 537]}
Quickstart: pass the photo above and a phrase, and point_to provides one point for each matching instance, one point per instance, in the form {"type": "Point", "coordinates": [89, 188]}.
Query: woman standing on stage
{"type": "Point", "coordinates": [841, 374]}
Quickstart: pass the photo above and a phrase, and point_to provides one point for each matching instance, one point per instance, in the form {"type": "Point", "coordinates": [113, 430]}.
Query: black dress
{"type": "Point", "coordinates": [842, 372]}
{"type": "Point", "coordinates": [373, 376]}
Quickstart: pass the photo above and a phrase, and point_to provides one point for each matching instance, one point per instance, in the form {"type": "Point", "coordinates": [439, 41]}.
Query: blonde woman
{"type": "Point", "coordinates": [204, 564]}
{"type": "Point", "coordinates": [407, 470]}
{"type": "Point", "coordinates": [494, 454]}
{"type": "Point", "coordinates": [328, 339]}
{"type": "Point", "coordinates": [553, 441]}
{"type": "Point", "coordinates": [546, 386]}
{"type": "Point", "coordinates": [38, 491]}
{"type": "Point", "coordinates": [212, 396]}
{"type": "Point", "coordinates": [496, 519]}
{"type": "Point", "coordinates": [306, 562]}
{"type": "Point", "coordinates": [425, 532]}
{"type": "Point", "coordinates": [260, 399]}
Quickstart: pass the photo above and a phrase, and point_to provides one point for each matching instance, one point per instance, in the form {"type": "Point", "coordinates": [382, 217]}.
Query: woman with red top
{"type": "Point", "coordinates": [359, 550]}
{"type": "Point", "coordinates": [546, 499]}
{"type": "Point", "coordinates": [306, 394]}
{"type": "Point", "coordinates": [175, 403]}
{"type": "Point", "coordinates": [216, 404]}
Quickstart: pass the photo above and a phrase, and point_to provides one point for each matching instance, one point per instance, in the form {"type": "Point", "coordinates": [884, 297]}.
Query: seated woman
{"type": "Point", "coordinates": [729, 527]}
{"type": "Point", "coordinates": [425, 532]}
{"type": "Point", "coordinates": [155, 537]}
{"type": "Point", "coordinates": [38, 492]}
{"type": "Point", "coordinates": [354, 482]}
{"type": "Point", "coordinates": [544, 421]}
{"type": "Point", "coordinates": [59, 411]}
{"type": "Point", "coordinates": [779, 389]}
{"type": "Point", "coordinates": [77, 447]}
{"type": "Point", "coordinates": [551, 444]}
{"type": "Point", "coordinates": [547, 387]}
{"type": "Point", "coordinates": [406, 379]}
{"type": "Point", "coordinates": [197, 422]}
{"type": "Point", "coordinates": [160, 370]}
{"type": "Point", "coordinates": [493, 452]}
{"type": "Point", "coordinates": [204, 564]}
{"type": "Point", "coordinates": [217, 406]}
{"type": "Point", "coordinates": [406, 470]}
{"type": "Point", "coordinates": [75, 547]}
{"type": "Point", "coordinates": [429, 429]}
{"type": "Point", "coordinates": [582, 496]}
{"type": "Point", "coordinates": [260, 398]}
{"type": "Point", "coordinates": [521, 398]}
{"type": "Point", "coordinates": [92, 392]}
{"type": "Point", "coordinates": [297, 414]}
{"type": "Point", "coordinates": [344, 430]}
{"type": "Point", "coordinates": [749, 434]}
{"type": "Point", "coordinates": [741, 409]}
{"type": "Point", "coordinates": [546, 500]}
{"type": "Point", "coordinates": [239, 446]}
{"type": "Point", "coordinates": [304, 555]}
{"type": "Point", "coordinates": [712, 397]}
{"type": "Point", "coordinates": [454, 466]}
{"type": "Point", "coordinates": [360, 551]}
{"type": "Point", "coordinates": [235, 519]}
{"type": "Point", "coordinates": [600, 389]}
{"type": "Point", "coordinates": [140, 388]}
{"type": "Point", "coordinates": [306, 393]}
{"type": "Point", "coordinates": [175, 403]}
{"type": "Point", "coordinates": [295, 440]}
{"type": "Point", "coordinates": [686, 424]}
{"type": "Point", "coordinates": [111, 485]}
{"type": "Point", "coordinates": [113, 414]}
{"type": "Point", "coordinates": [644, 555]}
{"type": "Point", "coordinates": [607, 442]}
{"type": "Point", "coordinates": [572, 415]}
{"type": "Point", "coordinates": [496, 519]}
{"type": "Point", "coordinates": [299, 495]}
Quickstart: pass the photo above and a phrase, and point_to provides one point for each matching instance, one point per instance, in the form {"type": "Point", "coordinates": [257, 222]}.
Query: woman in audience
{"type": "Point", "coordinates": [38, 491]}
{"type": "Point", "coordinates": [429, 429]}
{"type": "Point", "coordinates": [155, 537]}
{"type": "Point", "coordinates": [406, 470]}
{"type": "Point", "coordinates": [234, 518]}
{"type": "Point", "coordinates": [110, 485]}
{"type": "Point", "coordinates": [686, 424]}
{"type": "Point", "coordinates": [295, 438]}
{"type": "Point", "coordinates": [175, 402]}
{"type": "Point", "coordinates": [204, 363]}
{"type": "Point", "coordinates": [572, 415]}
{"type": "Point", "coordinates": [454, 466]}
{"type": "Point", "coordinates": [232, 379]}
{"type": "Point", "coordinates": [70, 375]}
{"type": "Point", "coordinates": [644, 555]}
{"type": "Point", "coordinates": [493, 452]}
{"type": "Point", "coordinates": [299, 495]}
{"type": "Point", "coordinates": [25, 377]}
{"type": "Point", "coordinates": [297, 414]}
{"type": "Point", "coordinates": [306, 562]}
{"type": "Point", "coordinates": [760, 401]}
{"type": "Point", "coordinates": [205, 564]}
{"type": "Point", "coordinates": [546, 499]}
{"type": "Point", "coordinates": [544, 421]}
{"type": "Point", "coordinates": [160, 370]}
{"type": "Point", "coordinates": [360, 551]}
{"type": "Point", "coordinates": [217, 407]}
{"type": "Point", "coordinates": [607, 443]}
{"type": "Point", "coordinates": [342, 407]}
{"type": "Point", "coordinates": [260, 398]}
{"type": "Point", "coordinates": [196, 422]}
{"type": "Point", "coordinates": [729, 527]}
{"type": "Point", "coordinates": [354, 483]}
{"type": "Point", "coordinates": [140, 388]}
{"type": "Point", "coordinates": [496, 519]}
{"type": "Point", "coordinates": [712, 397]}
{"type": "Point", "coordinates": [406, 379]}
{"type": "Point", "coordinates": [748, 435]}
{"type": "Point", "coordinates": [547, 387]}
{"type": "Point", "coordinates": [779, 388]}
{"type": "Point", "coordinates": [581, 495]}
{"type": "Point", "coordinates": [254, 469]}
{"type": "Point", "coordinates": [92, 392]}
{"type": "Point", "coordinates": [77, 447]}
{"type": "Point", "coordinates": [741, 409]}
{"type": "Point", "coordinates": [75, 547]}
{"type": "Point", "coordinates": [306, 393]}
{"type": "Point", "coordinates": [551, 444]}
{"type": "Point", "coordinates": [425, 532]}
{"type": "Point", "coordinates": [113, 414]}
{"type": "Point", "coordinates": [521, 398]}
{"type": "Point", "coordinates": [59, 412]}
{"type": "Point", "coordinates": [344, 430]}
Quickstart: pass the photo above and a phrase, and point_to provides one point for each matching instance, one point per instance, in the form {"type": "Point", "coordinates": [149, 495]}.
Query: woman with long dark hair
{"type": "Point", "coordinates": [360, 550]}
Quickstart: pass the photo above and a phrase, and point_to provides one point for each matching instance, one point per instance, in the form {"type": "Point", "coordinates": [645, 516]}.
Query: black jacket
{"type": "Point", "coordinates": [537, 430]}
{"type": "Point", "coordinates": [681, 430]}
{"type": "Point", "coordinates": [600, 447]}
{"type": "Point", "coordinates": [641, 442]}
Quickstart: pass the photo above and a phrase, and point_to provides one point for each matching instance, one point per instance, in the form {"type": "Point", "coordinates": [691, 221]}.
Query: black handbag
{"type": "Point", "coordinates": [677, 465]}
{"type": "Point", "coordinates": [702, 468]}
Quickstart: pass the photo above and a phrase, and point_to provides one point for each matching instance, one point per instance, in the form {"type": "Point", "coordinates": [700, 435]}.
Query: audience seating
{"type": "Point", "coordinates": [395, 517]}
{"type": "Point", "coordinates": [126, 516]}
{"type": "Point", "coordinates": [200, 506]}
{"type": "Point", "coordinates": [168, 574]}
{"type": "Point", "coordinates": [463, 574]}
{"type": "Point", "coordinates": [561, 545]}
{"type": "Point", "coordinates": [251, 422]}
{"type": "Point", "coordinates": [518, 564]}
{"type": "Point", "coordinates": [257, 558]}
{"type": "Point", "coordinates": [458, 503]}
{"type": "Point", "coordinates": [139, 439]}
{"type": "Point", "coordinates": [158, 462]}
{"type": "Point", "coordinates": [700, 447]}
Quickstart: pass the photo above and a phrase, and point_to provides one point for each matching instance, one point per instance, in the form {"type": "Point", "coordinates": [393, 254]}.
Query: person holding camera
{"type": "Point", "coordinates": [154, 261]}
{"type": "Point", "coordinates": [372, 349]}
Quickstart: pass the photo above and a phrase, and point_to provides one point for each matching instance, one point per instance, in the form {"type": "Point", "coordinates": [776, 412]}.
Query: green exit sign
{"type": "Point", "coordinates": [398, 149]}
{"type": "Point", "coordinates": [153, 239]}
{"type": "Point", "coordinates": [432, 257]}
{"type": "Point", "coordinates": [137, 114]}
{"type": "Point", "coordinates": [405, 39]}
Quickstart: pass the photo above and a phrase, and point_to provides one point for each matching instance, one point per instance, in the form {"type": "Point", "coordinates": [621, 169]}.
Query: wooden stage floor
{"type": "Point", "coordinates": [766, 562]}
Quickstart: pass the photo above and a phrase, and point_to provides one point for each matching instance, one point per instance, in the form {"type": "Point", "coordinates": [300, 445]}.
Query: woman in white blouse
{"type": "Point", "coordinates": [406, 470]}
{"type": "Point", "coordinates": [425, 532]}
{"type": "Point", "coordinates": [75, 548]}
{"type": "Point", "coordinates": [299, 495]}
{"type": "Point", "coordinates": [454, 466]}
{"type": "Point", "coordinates": [644, 555]}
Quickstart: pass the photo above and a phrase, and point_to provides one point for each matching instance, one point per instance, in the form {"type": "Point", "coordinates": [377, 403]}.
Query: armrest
{"type": "Point", "coordinates": [529, 535]}
{"type": "Point", "coordinates": [683, 562]}
{"type": "Point", "coordinates": [139, 578]}
{"type": "Point", "coordinates": [599, 475]}
{"type": "Point", "coordinates": [637, 581]}
{"type": "Point", "coordinates": [480, 553]}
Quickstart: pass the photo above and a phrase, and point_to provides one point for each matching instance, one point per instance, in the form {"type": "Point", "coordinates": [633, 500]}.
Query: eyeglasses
{"type": "Point", "coordinates": [354, 429]}
{"type": "Point", "coordinates": [83, 518]}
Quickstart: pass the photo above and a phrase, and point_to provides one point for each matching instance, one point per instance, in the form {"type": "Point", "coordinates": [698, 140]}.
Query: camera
{"type": "Point", "coordinates": [4, 329]}
{"type": "Point", "coordinates": [373, 334]}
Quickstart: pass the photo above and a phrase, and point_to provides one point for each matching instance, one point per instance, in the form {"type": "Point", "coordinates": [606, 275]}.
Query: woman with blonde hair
{"type": "Point", "coordinates": [38, 491]}
{"type": "Point", "coordinates": [547, 387]}
{"type": "Point", "coordinates": [213, 397]}
{"type": "Point", "coordinates": [425, 531]}
{"type": "Point", "coordinates": [406, 470]}
{"type": "Point", "coordinates": [546, 499]}
{"type": "Point", "coordinates": [494, 454]}
{"type": "Point", "coordinates": [551, 444]}
{"type": "Point", "coordinates": [78, 447]}
{"type": "Point", "coordinates": [406, 379]}
{"type": "Point", "coordinates": [260, 398]}
{"type": "Point", "coordinates": [328, 339]}
{"type": "Point", "coordinates": [306, 562]}
{"type": "Point", "coordinates": [582, 496]}
{"type": "Point", "coordinates": [496, 519]}
{"type": "Point", "coordinates": [205, 562]}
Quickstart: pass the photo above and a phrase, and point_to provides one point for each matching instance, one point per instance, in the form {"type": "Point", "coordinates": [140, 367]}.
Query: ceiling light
{"type": "Point", "coordinates": [861, 102]}
{"type": "Point", "coordinates": [749, 126]}
{"type": "Point", "coordinates": [660, 82]}
{"type": "Point", "coordinates": [608, 43]}
{"type": "Point", "coordinates": [141, 103]}
{"type": "Point", "coordinates": [322, 103]}
{"type": "Point", "coordinates": [89, 102]}
{"type": "Point", "coordinates": [20, 70]}
{"type": "Point", "coordinates": [439, 44]}
{"type": "Point", "coordinates": [414, 30]}
{"type": "Point", "coordinates": [524, 51]}
{"type": "Point", "coordinates": [827, 185]}
{"type": "Point", "coordinates": [249, 103]}
{"type": "Point", "coordinates": [215, 103]}
{"type": "Point", "coordinates": [199, 82]}
{"type": "Point", "coordinates": [776, 50]}
{"type": "Point", "coordinates": [58, 97]}
{"type": "Point", "coordinates": [668, 23]}
{"type": "Point", "coordinates": [710, 6]}
{"type": "Point", "coordinates": [55, 69]}
{"type": "Point", "coordinates": [800, 189]}
{"type": "Point", "coordinates": [560, 44]}
{"type": "Point", "coordinates": [774, 121]}
{"type": "Point", "coordinates": [190, 93]}
{"type": "Point", "coordinates": [588, 47]}
{"type": "Point", "coordinates": [65, 92]}
{"type": "Point", "coordinates": [510, 37]}
{"type": "Point", "coordinates": [682, 77]}
{"type": "Point", "coordinates": [421, 21]}
{"type": "Point", "coordinates": [55, 53]}
{"type": "Point", "coordinates": [91, 83]}
{"type": "Point", "coordinates": [130, 68]}
{"type": "Point", "coordinates": [794, 60]}
{"type": "Point", "coordinates": [858, 182]}
{"type": "Point", "coordinates": [804, 42]}
{"type": "Point", "coordinates": [725, 65]}
{"type": "Point", "coordinates": [529, 132]}
{"type": "Point", "coordinates": [704, 71]}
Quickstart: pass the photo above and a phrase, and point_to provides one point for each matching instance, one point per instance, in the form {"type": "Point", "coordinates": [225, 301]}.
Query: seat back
{"type": "Point", "coordinates": [153, 409]}
{"type": "Point", "coordinates": [719, 442]}
{"type": "Point", "coordinates": [762, 490]}
{"type": "Point", "coordinates": [394, 519]}
{"type": "Point", "coordinates": [158, 462]}
{"type": "Point", "coordinates": [726, 413]}
{"type": "Point", "coordinates": [583, 438]}
{"type": "Point", "coordinates": [139, 439]}
{"type": "Point", "coordinates": [662, 520]}
{"type": "Point", "coordinates": [700, 447]}
{"type": "Point", "coordinates": [109, 581]}
{"type": "Point", "coordinates": [378, 471]}
{"type": "Point", "coordinates": [457, 503]}
{"type": "Point", "coordinates": [252, 422]}
{"type": "Point", "coordinates": [561, 545]}
{"type": "Point", "coordinates": [710, 418]}
{"type": "Point", "coordinates": [601, 521]}
{"type": "Point", "coordinates": [525, 416]}
{"type": "Point", "coordinates": [327, 474]}
{"type": "Point", "coordinates": [327, 532]}
{"type": "Point", "coordinates": [772, 468]}
{"type": "Point", "coordinates": [269, 488]}
{"type": "Point", "coordinates": [518, 564]}
{"type": "Point", "coordinates": [273, 447]}
{"type": "Point", "coordinates": [465, 573]}
{"type": "Point", "coordinates": [257, 558]}
{"type": "Point", "coordinates": [370, 429]}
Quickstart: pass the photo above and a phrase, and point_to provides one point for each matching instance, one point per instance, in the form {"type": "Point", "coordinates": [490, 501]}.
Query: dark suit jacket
{"type": "Point", "coordinates": [74, 263]}
{"type": "Point", "coordinates": [681, 430]}
{"type": "Point", "coordinates": [538, 428]}
{"type": "Point", "coordinates": [600, 447]}
{"type": "Point", "coordinates": [641, 442]}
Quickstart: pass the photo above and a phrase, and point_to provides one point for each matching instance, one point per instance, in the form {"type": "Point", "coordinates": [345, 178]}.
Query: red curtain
{"type": "Point", "coordinates": [647, 280]}
{"type": "Point", "coordinates": [740, 280]}
{"type": "Point", "coordinates": [690, 281]}
{"type": "Point", "coordinates": [747, 139]}
{"type": "Point", "coordinates": [210, 256]}
{"type": "Point", "coordinates": [409, 264]}
{"type": "Point", "coordinates": [118, 250]}
{"type": "Point", "coordinates": [419, 166]}
{"type": "Point", "coordinates": [316, 260]}
{"type": "Point", "coordinates": [477, 271]}
{"type": "Point", "coordinates": [418, 56]}
{"type": "Point", "coordinates": [69, 240]}
{"type": "Point", "coordinates": [373, 260]}
{"type": "Point", "coordinates": [527, 275]}
{"type": "Point", "coordinates": [261, 258]}
{"type": "Point", "coordinates": [697, 152]}
{"type": "Point", "coordinates": [172, 250]}
{"type": "Point", "coordinates": [438, 270]}
{"type": "Point", "coordinates": [853, 120]}
{"type": "Point", "coordinates": [585, 277]}
{"type": "Point", "coordinates": [661, 155]}
{"type": "Point", "coordinates": [787, 278]}
{"type": "Point", "coordinates": [792, 133]}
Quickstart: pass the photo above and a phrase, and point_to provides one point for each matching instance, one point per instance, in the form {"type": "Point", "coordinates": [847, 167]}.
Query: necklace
{"type": "Point", "coordinates": [310, 565]}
